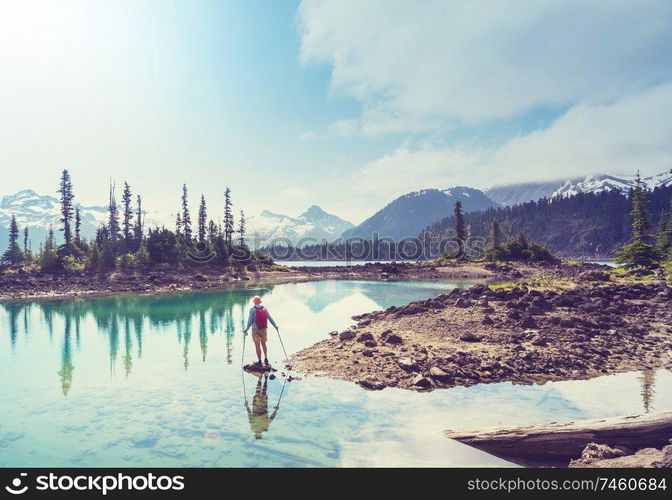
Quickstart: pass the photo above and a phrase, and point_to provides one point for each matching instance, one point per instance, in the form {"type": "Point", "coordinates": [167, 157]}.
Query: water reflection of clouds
{"type": "Point", "coordinates": [388, 436]}
{"type": "Point", "coordinates": [162, 372]}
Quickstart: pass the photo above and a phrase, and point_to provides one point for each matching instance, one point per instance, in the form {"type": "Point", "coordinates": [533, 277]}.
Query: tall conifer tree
{"type": "Point", "coordinates": [12, 255]}
{"type": "Point", "coordinates": [186, 218]}
{"type": "Point", "coordinates": [639, 252]}
{"type": "Point", "coordinates": [202, 220]}
{"type": "Point", "coordinates": [65, 190]}
{"type": "Point", "coordinates": [228, 217]}
{"type": "Point", "coordinates": [127, 220]}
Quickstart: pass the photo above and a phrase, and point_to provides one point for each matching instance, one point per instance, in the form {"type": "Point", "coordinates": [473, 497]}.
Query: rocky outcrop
{"type": "Point", "coordinates": [480, 335]}
{"type": "Point", "coordinates": [602, 456]}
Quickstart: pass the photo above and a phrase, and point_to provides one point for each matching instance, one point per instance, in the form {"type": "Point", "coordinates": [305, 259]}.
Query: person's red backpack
{"type": "Point", "coordinates": [260, 317]}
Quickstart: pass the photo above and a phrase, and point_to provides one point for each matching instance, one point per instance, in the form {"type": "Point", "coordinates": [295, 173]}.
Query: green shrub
{"type": "Point", "coordinates": [71, 263]}
{"type": "Point", "coordinates": [126, 262]}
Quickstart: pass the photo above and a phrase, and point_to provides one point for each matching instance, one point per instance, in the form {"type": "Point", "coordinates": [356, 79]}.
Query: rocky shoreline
{"type": "Point", "coordinates": [601, 456]}
{"type": "Point", "coordinates": [521, 335]}
{"type": "Point", "coordinates": [25, 285]}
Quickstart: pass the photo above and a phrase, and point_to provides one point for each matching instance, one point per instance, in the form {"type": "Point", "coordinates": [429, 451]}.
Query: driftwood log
{"type": "Point", "coordinates": [559, 442]}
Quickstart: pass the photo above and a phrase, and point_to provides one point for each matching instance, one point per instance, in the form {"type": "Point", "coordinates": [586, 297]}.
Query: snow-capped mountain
{"type": "Point", "coordinates": [38, 212]}
{"type": "Point", "coordinates": [410, 214]}
{"type": "Point", "coordinates": [521, 193]}
{"type": "Point", "coordinates": [599, 183]}
{"type": "Point", "coordinates": [314, 223]}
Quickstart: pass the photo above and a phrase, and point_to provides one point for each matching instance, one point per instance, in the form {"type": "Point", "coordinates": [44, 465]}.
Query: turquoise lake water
{"type": "Point", "coordinates": [155, 381]}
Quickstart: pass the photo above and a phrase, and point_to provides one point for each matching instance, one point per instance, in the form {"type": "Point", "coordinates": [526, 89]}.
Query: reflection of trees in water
{"type": "Point", "coordinates": [647, 378]}
{"type": "Point", "coordinates": [65, 373]}
{"type": "Point", "coordinates": [13, 311]}
{"type": "Point", "coordinates": [184, 325]}
{"type": "Point", "coordinates": [123, 319]}
{"type": "Point", "coordinates": [128, 345]}
{"type": "Point", "coordinates": [202, 335]}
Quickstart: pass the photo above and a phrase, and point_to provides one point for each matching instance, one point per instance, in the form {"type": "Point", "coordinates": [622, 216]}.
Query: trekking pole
{"type": "Point", "coordinates": [242, 360]}
{"type": "Point", "coordinates": [242, 372]}
{"type": "Point", "coordinates": [283, 345]}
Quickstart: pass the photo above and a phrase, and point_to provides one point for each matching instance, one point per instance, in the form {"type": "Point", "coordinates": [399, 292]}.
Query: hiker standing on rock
{"type": "Point", "coordinates": [258, 319]}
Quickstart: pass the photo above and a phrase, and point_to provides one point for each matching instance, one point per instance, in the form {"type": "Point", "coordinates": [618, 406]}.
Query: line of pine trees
{"type": "Point", "coordinates": [124, 243]}
{"type": "Point", "coordinates": [647, 249]}
{"type": "Point", "coordinates": [586, 224]}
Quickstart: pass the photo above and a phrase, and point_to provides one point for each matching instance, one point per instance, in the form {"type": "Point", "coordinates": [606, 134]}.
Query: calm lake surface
{"type": "Point", "coordinates": [156, 381]}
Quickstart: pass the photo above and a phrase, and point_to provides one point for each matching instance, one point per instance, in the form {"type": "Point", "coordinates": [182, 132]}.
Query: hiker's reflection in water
{"type": "Point", "coordinates": [258, 416]}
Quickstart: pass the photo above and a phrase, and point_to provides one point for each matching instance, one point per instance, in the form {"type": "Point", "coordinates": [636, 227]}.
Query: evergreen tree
{"type": "Point", "coordinates": [664, 240]}
{"type": "Point", "coordinates": [178, 225]}
{"type": "Point", "coordinates": [113, 235]}
{"type": "Point", "coordinates": [12, 255]}
{"type": "Point", "coordinates": [104, 242]}
{"type": "Point", "coordinates": [65, 190]}
{"type": "Point", "coordinates": [186, 218]}
{"type": "Point", "coordinates": [78, 227]}
{"type": "Point", "coordinates": [241, 229]}
{"type": "Point", "coordinates": [228, 218]}
{"type": "Point", "coordinates": [202, 220]}
{"type": "Point", "coordinates": [641, 223]}
{"type": "Point", "coordinates": [138, 229]}
{"type": "Point", "coordinates": [213, 231]}
{"type": "Point", "coordinates": [494, 250]}
{"type": "Point", "coordinates": [639, 252]}
{"type": "Point", "coordinates": [127, 223]}
{"type": "Point", "coordinates": [460, 228]}
{"type": "Point", "coordinates": [48, 255]}
{"type": "Point", "coordinates": [27, 253]}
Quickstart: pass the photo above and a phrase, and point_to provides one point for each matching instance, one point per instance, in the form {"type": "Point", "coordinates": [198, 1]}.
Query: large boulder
{"type": "Point", "coordinates": [588, 276]}
{"type": "Point", "coordinates": [346, 335]}
{"type": "Point", "coordinates": [407, 364]}
{"type": "Point", "coordinates": [364, 337]}
{"type": "Point", "coordinates": [421, 382]}
{"type": "Point", "coordinates": [390, 337]}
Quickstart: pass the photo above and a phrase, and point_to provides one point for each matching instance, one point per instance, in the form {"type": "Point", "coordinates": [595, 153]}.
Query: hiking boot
{"type": "Point", "coordinates": [266, 363]}
{"type": "Point", "coordinates": [257, 364]}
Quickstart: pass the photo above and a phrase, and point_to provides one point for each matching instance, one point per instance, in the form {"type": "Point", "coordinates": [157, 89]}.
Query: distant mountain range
{"type": "Point", "coordinates": [314, 223]}
{"type": "Point", "coordinates": [516, 194]}
{"type": "Point", "coordinates": [409, 214]}
{"type": "Point", "coordinates": [38, 212]}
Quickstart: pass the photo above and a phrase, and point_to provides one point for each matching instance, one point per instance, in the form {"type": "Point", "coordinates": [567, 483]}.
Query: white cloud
{"type": "Point", "coordinates": [294, 193]}
{"type": "Point", "coordinates": [408, 169]}
{"type": "Point", "coordinates": [621, 137]}
{"type": "Point", "coordinates": [632, 133]}
{"type": "Point", "coordinates": [416, 64]}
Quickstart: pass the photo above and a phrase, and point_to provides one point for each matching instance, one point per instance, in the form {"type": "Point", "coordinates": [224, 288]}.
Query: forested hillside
{"type": "Point", "coordinates": [583, 225]}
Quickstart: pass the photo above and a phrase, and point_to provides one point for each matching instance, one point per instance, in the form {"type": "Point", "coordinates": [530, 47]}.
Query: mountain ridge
{"type": "Point", "coordinates": [515, 194]}
{"type": "Point", "coordinates": [314, 224]}
{"type": "Point", "coordinates": [409, 214]}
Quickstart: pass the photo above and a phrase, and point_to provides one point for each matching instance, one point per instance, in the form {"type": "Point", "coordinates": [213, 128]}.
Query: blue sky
{"type": "Point", "coordinates": [340, 103]}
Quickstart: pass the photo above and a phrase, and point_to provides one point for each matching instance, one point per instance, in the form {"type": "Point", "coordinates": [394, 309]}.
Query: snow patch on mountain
{"type": "Point", "coordinates": [314, 224]}
{"type": "Point", "coordinates": [39, 212]}
{"type": "Point", "coordinates": [599, 183]}
{"type": "Point", "coordinates": [515, 194]}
